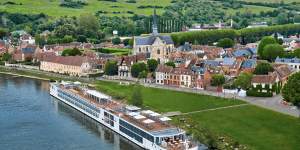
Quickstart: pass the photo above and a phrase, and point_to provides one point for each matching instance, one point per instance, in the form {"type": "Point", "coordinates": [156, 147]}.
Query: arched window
{"type": "Point", "coordinates": [158, 51]}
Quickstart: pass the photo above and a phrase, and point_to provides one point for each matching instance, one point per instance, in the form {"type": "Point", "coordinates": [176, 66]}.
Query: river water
{"type": "Point", "coordinates": [30, 119]}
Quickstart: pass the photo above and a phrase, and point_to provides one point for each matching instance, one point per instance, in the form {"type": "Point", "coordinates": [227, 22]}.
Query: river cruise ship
{"type": "Point", "coordinates": [148, 129]}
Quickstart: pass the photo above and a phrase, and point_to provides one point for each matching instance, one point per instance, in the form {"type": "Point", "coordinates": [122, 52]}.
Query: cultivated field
{"type": "Point", "coordinates": [52, 8]}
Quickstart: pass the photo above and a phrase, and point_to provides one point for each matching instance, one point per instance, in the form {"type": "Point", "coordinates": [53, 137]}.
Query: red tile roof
{"type": "Point", "coordinates": [68, 60]}
{"type": "Point", "coordinates": [268, 79]}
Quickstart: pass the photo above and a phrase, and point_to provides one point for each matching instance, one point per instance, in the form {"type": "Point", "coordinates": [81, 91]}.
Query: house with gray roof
{"type": "Point", "coordinates": [156, 46]}
{"type": "Point", "coordinates": [293, 63]}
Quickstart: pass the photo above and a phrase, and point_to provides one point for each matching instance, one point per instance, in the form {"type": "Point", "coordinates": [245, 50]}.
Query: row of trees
{"type": "Point", "coordinates": [244, 36]}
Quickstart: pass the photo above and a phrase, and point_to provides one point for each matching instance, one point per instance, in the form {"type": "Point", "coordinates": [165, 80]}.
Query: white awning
{"type": "Point", "coordinates": [133, 114]}
{"type": "Point", "coordinates": [165, 119]}
{"type": "Point", "coordinates": [139, 117]}
{"type": "Point", "coordinates": [148, 121]}
{"type": "Point", "coordinates": [97, 94]}
{"type": "Point", "coordinates": [147, 112]}
{"type": "Point", "coordinates": [132, 108]}
{"type": "Point", "coordinates": [155, 114]}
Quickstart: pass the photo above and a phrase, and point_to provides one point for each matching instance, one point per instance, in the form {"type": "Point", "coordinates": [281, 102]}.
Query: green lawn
{"type": "Point", "coordinates": [166, 100]}
{"type": "Point", "coordinates": [115, 51]}
{"type": "Point", "coordinates": [258, 128]}
{"type": "Point", "coordinates": [52, 8]}
{"type": "Point", "coordinates": [255, 127]}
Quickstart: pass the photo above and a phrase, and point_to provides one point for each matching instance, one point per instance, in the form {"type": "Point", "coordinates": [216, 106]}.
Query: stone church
{"type": "Point", "coordinates": [156, 46]}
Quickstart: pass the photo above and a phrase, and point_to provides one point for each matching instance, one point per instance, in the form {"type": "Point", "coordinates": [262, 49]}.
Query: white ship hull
{"type": "Point", "coordinates": [100, 117]}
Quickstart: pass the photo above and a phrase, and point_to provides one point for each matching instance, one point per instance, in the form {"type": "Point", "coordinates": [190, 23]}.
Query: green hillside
{"type": "Point", "coordinates": [52, 8]}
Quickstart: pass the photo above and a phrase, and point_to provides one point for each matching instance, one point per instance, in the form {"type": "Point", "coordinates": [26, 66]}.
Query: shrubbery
{"type": "Point", "coordinates": [73, 3]}
{"type": "Point", "coordinates": [255, 93]}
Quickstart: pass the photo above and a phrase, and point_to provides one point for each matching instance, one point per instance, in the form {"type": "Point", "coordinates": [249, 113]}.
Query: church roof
{"type": "Point", "coordinates": [149, 40]}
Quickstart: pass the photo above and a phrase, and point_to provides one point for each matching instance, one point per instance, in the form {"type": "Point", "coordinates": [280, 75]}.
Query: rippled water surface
{"type": "Point", "coordinates": [30, 119]}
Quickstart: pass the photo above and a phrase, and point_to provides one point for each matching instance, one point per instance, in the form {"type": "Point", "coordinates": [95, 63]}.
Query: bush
{"type": "Point", "coordinates": [73, 3]}
{"type": "Point", "coordinates": [116, 41]}
{"type": "Point", "coordinates": [225, 43]}
{"type": "Point", "coordinates": [263, 69]}
{"type": "Point", "coordinates": [131, 1]}
{"type": "Point", "coordinates": [258, 94]}
{"type": "Point", "coordinates": [111, 68]}
{"type": "Point", "coordinates": [71, 52]}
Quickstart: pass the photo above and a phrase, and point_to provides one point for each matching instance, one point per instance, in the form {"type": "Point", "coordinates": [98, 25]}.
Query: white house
{"type": "Point", "coordinates": [293, 63]}
{"type": "Point", "coordinates": [162, 74]}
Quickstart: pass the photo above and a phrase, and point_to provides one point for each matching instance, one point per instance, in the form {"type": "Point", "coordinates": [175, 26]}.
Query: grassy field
{"type": "Point", "coordinates": [250, 8]}
{"type": "Point", "coordinates": [255, 127]}
{"type": "Point", "coordinates": [258, 128]}
{"type": "Point", "coordinates": [52, 8]}
{"type": "Point", "coordinates": [165, 100]}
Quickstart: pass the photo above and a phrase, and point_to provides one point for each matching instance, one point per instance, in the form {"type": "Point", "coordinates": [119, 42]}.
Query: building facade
{"type": "Point", "coordinates": [156, 46]}
{"type": "Point", "coordinates": [71, 65]}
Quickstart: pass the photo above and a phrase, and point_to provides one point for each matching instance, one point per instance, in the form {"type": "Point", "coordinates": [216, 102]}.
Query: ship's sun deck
{"type": "Point", "coordinates": [148, 120]}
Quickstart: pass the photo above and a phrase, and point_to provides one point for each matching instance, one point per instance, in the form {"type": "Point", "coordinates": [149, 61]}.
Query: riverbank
{"type": "Point", "coordinates": [255, 127]}
{"type": "Point", "coordinates": [32, 77]}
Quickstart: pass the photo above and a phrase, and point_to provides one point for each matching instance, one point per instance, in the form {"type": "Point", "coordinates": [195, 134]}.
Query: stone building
{"type": "Point", "coordinates": [156, 46]}
{"type": "Point", "coordinates": [71, 65]}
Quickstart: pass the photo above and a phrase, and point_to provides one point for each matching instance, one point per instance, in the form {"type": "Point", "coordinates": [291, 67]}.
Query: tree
{"type": "Point", "coordinates": [40, 40]}
{"type": "Point", "coordinates": [71, 52]}
{"type": "Point", "coordinates": [263, 69]}
{"type": "Point", "coordinates": [6, 57]}
{"type": "Point", "coordinates": [88, 25]}
{"type": "Point", "coordinates": [138, 68]}
{"type": "Point", "coordinates": [265, 41]}
{"type": "Point", "coordinates": [81, 38]}
{"type": "Point", "coordinates": [170, 63]}
{"type": "Point", "coordinates": [152, 65]}
{"type": "Point", "coordinates": [67, 39]}
{"type": "Point", "coordinates": [296, 53]}
{"type": "Point", "coordinates": [63, 30]}
{"type": "Point", "coordinates": [243, 81]}
{"type": "Point", "coordinates": [3, 32]}
{"type": "Point", "coordinates": [297, 19]}
{"type": "Point", "coordinates": [225, 43]}
{"type": "Point", "coordinates": [282, 18]}
{"type": "Point", "coordinates": [291, 90]}
{"type": "Point", "coordinates": [217, 80]}
{"type": "Point", "coordinates": [111, 68]}
{"type": "Point", "coordinates": [136, 97]}
{"type": "Point", "coordinates": [272, 51]}
{"type": "Point", "coordinates": [116, 41]}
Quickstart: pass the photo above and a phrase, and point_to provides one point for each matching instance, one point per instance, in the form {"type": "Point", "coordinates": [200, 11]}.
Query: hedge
{"type": "Point", "coordinates": [246, 35]}
{"type": "Point", "coordinates": [258, 94]}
